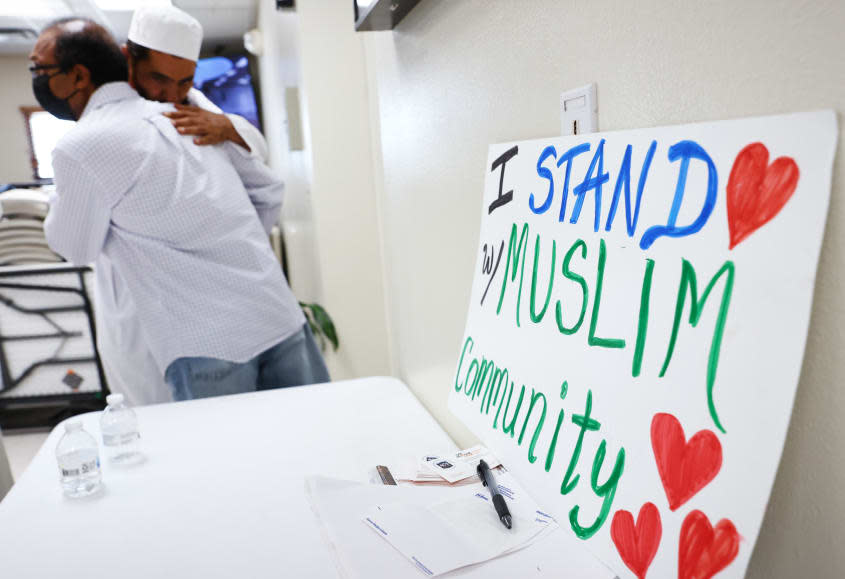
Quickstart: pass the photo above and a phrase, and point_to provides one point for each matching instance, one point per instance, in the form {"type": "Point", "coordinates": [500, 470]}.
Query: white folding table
{"type": "Point", "coordinates": [221, 493]}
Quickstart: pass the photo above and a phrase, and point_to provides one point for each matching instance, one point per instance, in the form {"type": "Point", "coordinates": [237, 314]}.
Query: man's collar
{"type": "Point", "coordinates": [108, 93]}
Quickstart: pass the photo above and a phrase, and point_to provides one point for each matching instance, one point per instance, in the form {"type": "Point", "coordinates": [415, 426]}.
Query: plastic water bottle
{"type": "Point", "coordinates": [79, 461]}
{"type": "Point", "coordinates": [119, 427]}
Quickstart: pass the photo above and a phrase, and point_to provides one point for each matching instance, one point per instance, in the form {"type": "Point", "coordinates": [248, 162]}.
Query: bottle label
{"type": "Point", "coordinates": [84, 468]}
{"type": "Point", "coordinates": [120, 439]}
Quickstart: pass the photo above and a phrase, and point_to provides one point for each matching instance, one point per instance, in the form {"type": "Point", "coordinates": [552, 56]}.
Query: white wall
{"type": "Point", "coordinates": [279, 70]}
{"type": "Point", "coordinates": [15, 91]}
{"type": "Point", "coordinates": [337, 172]}
{"type": "Point", "coordinates": [457, 76]}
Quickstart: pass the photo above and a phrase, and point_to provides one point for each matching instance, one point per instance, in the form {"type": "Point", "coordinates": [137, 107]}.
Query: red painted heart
{"type": "Point", "coordinates": [757, 191]}
{"type": "Point", "coordinates": [704, 551]}
{"type": "Point", "coordinates": [637, 544]}
{"type": "Point", "coordinates": [685, 467]}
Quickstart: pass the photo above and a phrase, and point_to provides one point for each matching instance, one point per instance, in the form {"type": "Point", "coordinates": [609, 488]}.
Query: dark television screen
{"type": "Point", "coordinates": [226, 81]}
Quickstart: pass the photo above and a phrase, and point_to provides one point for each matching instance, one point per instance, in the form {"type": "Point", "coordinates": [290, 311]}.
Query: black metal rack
{"type": "Point", "coordinates": [34, 411]}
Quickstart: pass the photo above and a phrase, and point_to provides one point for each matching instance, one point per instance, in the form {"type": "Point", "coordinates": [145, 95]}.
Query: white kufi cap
{"type": "Point", "coordinates": [167, 29]}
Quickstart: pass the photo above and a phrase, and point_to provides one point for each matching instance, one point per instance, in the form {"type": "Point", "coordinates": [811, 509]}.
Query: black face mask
{"type": "Point", "coordinates": [59, 108]}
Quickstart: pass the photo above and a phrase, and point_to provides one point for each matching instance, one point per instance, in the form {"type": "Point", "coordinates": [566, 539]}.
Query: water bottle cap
{"type": "Point", "coordinates": [114, 399]}
{"type": "Point", "coordinates": [73, 425]}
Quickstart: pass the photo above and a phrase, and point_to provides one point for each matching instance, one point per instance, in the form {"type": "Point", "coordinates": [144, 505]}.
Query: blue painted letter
{"type": "Point", "coordinates": [624, 179]}
{"type": "Point", "coordinates": [591, 182]}
{"type": "Point", "coordinates": [567, 158]}
{"type": "Point", "coordinates": [685, 150]}
{"type": "Point", "coordinates": [545, 174]}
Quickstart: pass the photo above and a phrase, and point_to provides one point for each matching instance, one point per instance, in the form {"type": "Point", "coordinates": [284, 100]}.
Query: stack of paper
{"type": "Point", "coordinates": [444, 469]}
{"type": "Point", "coordinates": [436, 529]}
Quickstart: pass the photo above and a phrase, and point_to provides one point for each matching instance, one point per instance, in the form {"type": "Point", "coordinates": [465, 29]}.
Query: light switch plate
{"type": "Point", "coordinates": [579, 111]}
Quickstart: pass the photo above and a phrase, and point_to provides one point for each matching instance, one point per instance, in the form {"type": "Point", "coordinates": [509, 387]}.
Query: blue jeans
{"type": "Point", "coordinates": [293, 362]}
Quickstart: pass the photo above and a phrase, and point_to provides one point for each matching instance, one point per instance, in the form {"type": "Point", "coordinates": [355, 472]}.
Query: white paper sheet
{"type": "Point", "coordinates": [459, 531]}
{"type": "Point", "coordinates": [340, 507]}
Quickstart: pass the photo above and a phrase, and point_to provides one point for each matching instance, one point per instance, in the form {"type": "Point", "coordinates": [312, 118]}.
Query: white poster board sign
{"type": "Point", "coordinates": [637, 326]}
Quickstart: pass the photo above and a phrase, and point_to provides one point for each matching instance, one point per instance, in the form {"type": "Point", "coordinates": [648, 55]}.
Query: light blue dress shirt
{"type": "Point", "coordinates": [129, 365]}
{"type": "Point", "coordinates": [183, 227]}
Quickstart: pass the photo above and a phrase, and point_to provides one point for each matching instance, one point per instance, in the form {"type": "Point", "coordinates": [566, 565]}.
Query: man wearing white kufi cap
{"type": "Point", "coordinates": [162, 49]}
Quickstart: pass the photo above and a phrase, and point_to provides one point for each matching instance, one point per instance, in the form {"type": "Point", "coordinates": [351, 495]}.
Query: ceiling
{"type": "Point", "coordinates": [223, 21]}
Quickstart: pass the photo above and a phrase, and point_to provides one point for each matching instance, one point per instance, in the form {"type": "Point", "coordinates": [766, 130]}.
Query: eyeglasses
{"type": "Point", "coordinates": [37, 70]}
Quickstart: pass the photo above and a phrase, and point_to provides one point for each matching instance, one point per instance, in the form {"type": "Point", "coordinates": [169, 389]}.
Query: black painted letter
{"type": "Point", "coordinates": [501, 160]}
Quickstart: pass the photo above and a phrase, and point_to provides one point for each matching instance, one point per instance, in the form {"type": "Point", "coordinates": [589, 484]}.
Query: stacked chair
{"type": "Point", "coordinates": [22, 241]}
{"type": "Point", "coordinates": [49, 365]}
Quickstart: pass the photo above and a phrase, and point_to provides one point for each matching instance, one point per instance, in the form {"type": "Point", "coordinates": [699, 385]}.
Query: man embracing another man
{"type": "Point", "coordinates": [175, 218]}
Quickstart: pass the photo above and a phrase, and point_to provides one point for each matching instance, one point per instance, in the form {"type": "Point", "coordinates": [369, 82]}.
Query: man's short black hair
{"type": "Point", "coordinates": [90, 45]}
{"type": "Point", "coordinates": [137, 51]}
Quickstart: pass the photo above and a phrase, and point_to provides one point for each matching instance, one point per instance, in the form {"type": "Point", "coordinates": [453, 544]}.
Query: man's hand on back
{"type": "Point", "coordinates": [207, 127]}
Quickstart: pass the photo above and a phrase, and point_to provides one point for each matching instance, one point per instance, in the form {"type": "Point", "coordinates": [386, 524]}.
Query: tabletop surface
{"type": "Point", "coordinates": [221, 492]}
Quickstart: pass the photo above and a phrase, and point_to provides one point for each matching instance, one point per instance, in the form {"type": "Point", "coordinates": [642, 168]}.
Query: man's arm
{"type": "Point", "coordinates": [80, 212]}
{"type": "Point", "coordinates": [264, 188]}
{"type": "Point", "coordinates": [255, 141]}
{"type": "Point", "coordinates": [203, 119]}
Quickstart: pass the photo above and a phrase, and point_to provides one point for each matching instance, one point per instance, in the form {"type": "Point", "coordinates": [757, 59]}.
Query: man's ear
{"type": "Point", "coordinates": [130, 66]}
{"type": "Point", "coordinates": [80, 77]}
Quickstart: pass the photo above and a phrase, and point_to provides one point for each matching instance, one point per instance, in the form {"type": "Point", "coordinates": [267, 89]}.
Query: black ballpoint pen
{"type": "Point", "coordinates": [498, 500]}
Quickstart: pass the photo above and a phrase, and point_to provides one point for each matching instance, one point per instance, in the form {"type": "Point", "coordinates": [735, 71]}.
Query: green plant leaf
{"type": "Point", "coordinates": [321, 324]}
{"type": "Point", "coordinates": [324, 320]}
